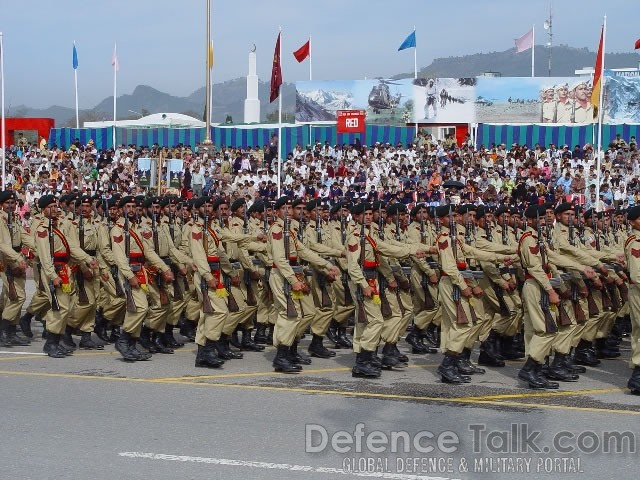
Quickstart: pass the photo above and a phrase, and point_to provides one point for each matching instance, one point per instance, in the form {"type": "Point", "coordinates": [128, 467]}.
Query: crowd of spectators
{"type": "Point", "coordinates": [418, 172]}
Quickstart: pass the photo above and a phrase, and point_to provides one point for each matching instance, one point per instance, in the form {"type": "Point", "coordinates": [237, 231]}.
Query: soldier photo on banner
{"type": "Point", "coordinates": [174, 171]}
{"type": "Point", "coordinates": [146, 172]}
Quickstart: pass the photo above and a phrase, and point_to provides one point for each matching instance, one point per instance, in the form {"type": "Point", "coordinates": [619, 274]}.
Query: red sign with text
{"type": "Point", "coordinates": [350, 121]}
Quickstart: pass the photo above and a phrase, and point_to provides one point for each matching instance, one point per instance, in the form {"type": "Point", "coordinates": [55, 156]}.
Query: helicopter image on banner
{"type": "Point", "coordinates": [380, 97]}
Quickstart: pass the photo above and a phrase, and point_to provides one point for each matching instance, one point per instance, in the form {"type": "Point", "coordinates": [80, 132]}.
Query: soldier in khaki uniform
{"type": "Point", "coordinates": [288, 285]}
{"type": "Point", "coordinates": [363, 256]}
{"type": "Point", "coordinates": [13, 271]}
{"type": "Point", "coordinates": [632, 256]}
{"type": "Point", "coordinates": [57, 251]}
{"type": "Point", "coordinates": [424, 279]}
{"type": "Point", "coordinates": [316, 238]}
{"type": "Point", "coordinates": [133, 248]}
{"type": "Point", "coordinates": [191, 312]}
{"type": "Point", "coordinates": [460, 316]}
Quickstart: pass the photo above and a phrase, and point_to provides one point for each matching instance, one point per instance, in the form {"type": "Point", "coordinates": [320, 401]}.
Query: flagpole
{"type": "Point", "coordinates": [280, 117]}
{"type": "Point", "coordinates": [2, 125]}
{"type": "Point", "coordinates": [600, 114]}
{"type": "Point", "coordinates": [207, 111]}
{"type": "Point", "coordinates": [533, 51]}
{"type": "Point", "coordinates": [115, 90]}
{"type": "Point", "coordinates": [415, 56]}
{"type": "Point", "coordinates": [310, 76]}
{"type": "Point", "coordinates": [75, 75]}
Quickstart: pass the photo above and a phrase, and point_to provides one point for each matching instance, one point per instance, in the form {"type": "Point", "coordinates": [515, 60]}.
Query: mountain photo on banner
{"type": "Point", "coordinates": [560, 100]}
{"type": "Point", "coordinates": [621, 97]}
{"type": "Point", "coordinates": [444, 100]}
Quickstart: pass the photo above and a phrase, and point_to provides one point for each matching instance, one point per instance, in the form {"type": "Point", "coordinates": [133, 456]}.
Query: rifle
{"type": "Point", "coordinates": [207, 306]}
{"type": "Point", "coordinates": [575, 296]}
{"type": "Point", "coordinates": [164, 298]}
{"type": "Point", "coordinates": [83, 298]}
{"type": "Point", "coordinates": [505, 238]}
{"type": "Point", "coordinates": [291, 308]}
{"type": "Point", "coordinates": [172, 226]}
{"type": "Point", "coordinates": [325, 301]}
{"type": "Point", "coordinates": [113, 268]}
{"type": "Point", "coordinates": [362, 313]}
{"type": "Point", "coordinates": [385, 307]}
{"type": "Point", "coordinates": [55, 305]}
{"type": "Point", "coordinates": [131, 304]}
{"type": "Point", "coordinates": [504, 308]}
{"type": "Point", "coordinates": [12, 294]}
{"type": "Point", "coordinates": [461, 316]}
{"type": "Point", "coordinates": [344, 276]}
{"type": "Point", "coordinates": [429, 303]}
{"type": "Point", "coordinates": [231, 300]}
{"type": "Point", "coordinates": [251, 296]}
{"type": "Point", "coordinates": [550, 324]}
{"type": "Point", "coordinates": [607, 302]}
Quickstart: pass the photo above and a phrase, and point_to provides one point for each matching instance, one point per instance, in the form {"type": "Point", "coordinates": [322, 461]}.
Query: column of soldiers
{"type": "Point", "coordinates": [553, 285]}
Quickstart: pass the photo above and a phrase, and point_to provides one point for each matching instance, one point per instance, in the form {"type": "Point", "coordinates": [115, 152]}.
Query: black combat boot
{"type": "Point", "coordinates": [224, 351]}
{"type": "Point", "coordinates": [557, 370]}
{"type": "Point", "coordinates": [261, 334]}
{"type": "Point", "coordinates": [634, 381]}
{"type": "Point", "coordinates": [448, 371]}
{"type": "Point", "coordinates": [25, 324]}
{"type": "Point", "coordinates": [529, 373]}
{"type": "Point", "coordinates": [363, 367]}
{"type": "Point", "coordinates": [570, 364]}
{"type": "Point", "coordinates": [297, 357]}
{"type": "Point", "coordinates": [270, 329]}
{"type": "Point", "coordinates": [170, 339]}
{"type": "Point", "coordinates": [145, 340]}
{"type": "Point", "coordinates": [248, 343]}
{"type": "Point", "coordinates": [489, 352]}
{"type": "Point", "coordinates": [432, 335]}
{"type": "Point", "coordinates": [140, 355]}
{"type": "Point", "coordinates": [389, 359]}
{"type": "Point", "coordinates": [67, 339]}
{"type": "Point", "coordinates": [282, 363]}
{"type": "Point", "coordinates": [206, 356]}
{"type": "Point", "coordinates": [317, 349]}
{"type": "Point", "coordinates": [87, 343]}
{"type": "Point", "coordinates": [603, 350]}
{"type": "Point", "coordinates": [11, 338]}
{"type": "Point", "coordinates": [464, 365]}
{"type": "Point", "coordinates": [507, 349]}
{"type": "Point", "coordinates": [234, 339]}
{"type": "Point", "coordinates": [399, 355]}
{"type": "Point", "coordinates": [115, 334]}
{"type": "Point", "coordinates": [122, 346]}
{"type": "Point", "coordinates": [414, 339]}
{"type": "Point", "coordinates": [584, 355]}
{"type": "Point", "coordinates": [343, 340]}
{"type": "Point", "coordinates": [188, 330]}
{"type": "Point", "coordinates": [160, 343]}
{"type": "Point", "coordinates": [332, 333]}
{"type": "Point", "coordinates": [51, 346]}
{"type": "Point", "coordinates": [100, 327]}
{"type": "Point", "coordinates": [374, 359]}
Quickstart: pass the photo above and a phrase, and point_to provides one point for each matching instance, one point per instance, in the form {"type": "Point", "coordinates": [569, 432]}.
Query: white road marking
{"type": "Point", "coordinates": [275, 466]}
{"type": "Point", "coordinates": [11, 352]}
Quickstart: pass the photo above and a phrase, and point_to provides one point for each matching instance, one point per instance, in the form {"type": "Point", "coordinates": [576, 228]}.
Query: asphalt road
{"type": "Point", "coordinates": [93, 416]}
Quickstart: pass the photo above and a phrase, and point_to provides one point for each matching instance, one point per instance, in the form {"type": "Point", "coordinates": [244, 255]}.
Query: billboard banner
{"type": "Point", "coordinates": [534, 100]}
{"type": "Point", "coordinates": [622, 97]}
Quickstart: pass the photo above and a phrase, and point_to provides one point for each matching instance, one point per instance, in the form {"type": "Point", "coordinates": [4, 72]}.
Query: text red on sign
{"type": "Point", "coordinates": [350, 121]}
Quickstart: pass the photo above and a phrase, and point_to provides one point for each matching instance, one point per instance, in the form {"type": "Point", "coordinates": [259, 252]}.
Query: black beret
{"type": "Point", "coordinates": [217, 202]}
{"type": "Point", "coordinates": [534, 211]}
{"type": "Point", "coordinates": [336, 207]}
{"type": "Point", "coordinates": [481, 211]}
{"type": "Point", "coordinates": [501, 210]}
{"type": "Point", "coordinates": [71, 198]}
{"type": "Point", "coordinates": [548, 206]}
{"type": "Point", "coordinates": [7, 195]}
{"type": "Point", "coordinates": [466, 208]}
{"type": "Point", "coordinates": [443, 210]}
{"type": "Point", "coordinates": [112, 202]}
{"type": "Point", "coordinates": [198, 202]}
{"type": "Point", "coordinates": [416, 209]}
{"type": "Point", "coordinates": [164, 201]}
{"type": "Point", "coordinates": [633, 213]}
{"type": "Point", "coordinates": [139, 200]}
{"type": "Point", "coordinates": [515, 211]}
{"type": "Point", "coordinates": [392, 208]}
{"type": "Point", "coordinates": [45, 200]}
{"type": "Point", "coordinates": [323, 205]}
{"type": "Point", "coordinates": [563, 207]}
{"type": "Point", "coordinates": [84, 200]}
{"type": "Point", "coordinates": [282, 201]}
{"type": "Point", "coordinates": [148, 202]}
{"type": "Point", "coordinates": [256, 206]}
{"type": "Point", "coordinates": [125, 200]}
{"type": "Point", "coordinates": [311, 205]}
{"type": "Point", "coordinates": [378, 204]}
{"type": "Point", "coordinates": [590, 213]}
{"type": "Point", "coordinates": [63, 198]}
{"type": "Point", "coordinates": [296, 202]}
{"type": "Point", "coordinates": [361, 208]}
{"type": "Point", "coordinates": [240, 202]}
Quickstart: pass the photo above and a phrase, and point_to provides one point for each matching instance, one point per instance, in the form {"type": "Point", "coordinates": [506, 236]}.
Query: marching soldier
{"type": "Point", "coordinates": [133, 251]}
{"type": "Point", "coordinates": [13, 271]}
{"type": "Point", "coordinates": [289, 285]}
{"type": "Point", "coordinates": [57, 252]}
{"type": "Point", "coordinates": [632, 256]}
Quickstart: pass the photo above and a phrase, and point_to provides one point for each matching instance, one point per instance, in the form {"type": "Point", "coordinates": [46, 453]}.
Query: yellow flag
{"type": "Point", "coordinates": [210, 60]}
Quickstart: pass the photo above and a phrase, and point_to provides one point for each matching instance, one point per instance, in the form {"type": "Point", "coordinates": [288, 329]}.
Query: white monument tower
{"type": "Point", "coordinates": [252, 102]}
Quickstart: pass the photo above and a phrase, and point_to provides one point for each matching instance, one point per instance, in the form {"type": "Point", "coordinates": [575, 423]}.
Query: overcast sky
{"type": "Point", "coordinates": [161, 43]}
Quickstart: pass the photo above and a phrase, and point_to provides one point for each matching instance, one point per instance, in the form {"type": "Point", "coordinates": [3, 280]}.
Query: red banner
{"type": "Point", "coordinates": [350, 121]}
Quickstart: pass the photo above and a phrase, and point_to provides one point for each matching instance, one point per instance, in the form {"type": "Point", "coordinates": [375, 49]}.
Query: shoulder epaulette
{"type": "Point", "coordinates": [629, 240]}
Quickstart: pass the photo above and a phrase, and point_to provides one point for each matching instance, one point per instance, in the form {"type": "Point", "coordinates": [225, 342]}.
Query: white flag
{"type": "Point", "coordinates": [114, 59]}
{"type": "Point", "coordinates": [525, 42]}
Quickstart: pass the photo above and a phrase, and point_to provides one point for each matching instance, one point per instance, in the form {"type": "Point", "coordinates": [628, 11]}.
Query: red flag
{"type": "Point", "coordinates": [637, 44]}
{"type": "Point", "coordinates": [276, 73]}
{"type": "Point", "coordinates": [303, 52]}
{"type": "Point", "coordinates": [597, 77]}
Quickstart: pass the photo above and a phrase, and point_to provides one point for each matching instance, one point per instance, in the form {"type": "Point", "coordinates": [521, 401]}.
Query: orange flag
{"type": "Point", "coordinates": [597, 77]}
